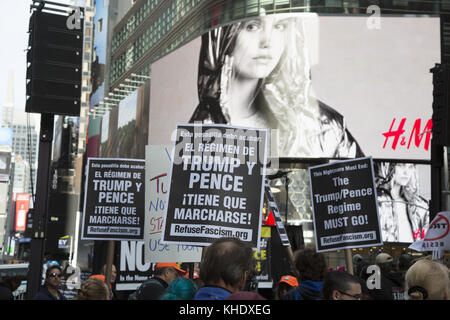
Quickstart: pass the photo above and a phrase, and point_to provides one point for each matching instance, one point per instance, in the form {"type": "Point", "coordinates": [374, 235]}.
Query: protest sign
{"type": "Point", "coordinates": [157, 167]}
{"type": "Point", "coordinates": [114, 200]}
{"type": "Point", "coordinates": [216, 185]}
{"type": "Point", "coordinates": [437, 238]}
{"type": "Point", "coordinates": [132, 269]}
{"type": "Point", "coordinates": [344, 200]}
{"type": "Point", "coordinates": [262, 260]}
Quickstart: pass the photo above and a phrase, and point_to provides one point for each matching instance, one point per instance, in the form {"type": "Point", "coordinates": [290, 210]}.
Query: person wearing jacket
{"type": "Point", "coordinates": [154, 288]}
{"type": "Point", "coordinates": [224, 269]}
{"type": "Point", "coordinates": [391, 282]}
{"type": "Point", "coordinates": [312, 269]}
{"type": "Point", "coordinates": [7, 286]}
{"type": "Point", "coordinates": [52, 281]}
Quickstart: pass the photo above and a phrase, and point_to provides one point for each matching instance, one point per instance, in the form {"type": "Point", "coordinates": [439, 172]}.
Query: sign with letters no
{"type": "Point", "coordinates": [344, 199]}
{"type": "Point", "coordinates": [114, 199]}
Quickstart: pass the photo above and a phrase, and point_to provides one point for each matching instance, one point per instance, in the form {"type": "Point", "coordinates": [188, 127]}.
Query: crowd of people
{"type": "Point", "coordinates": [225, 273]}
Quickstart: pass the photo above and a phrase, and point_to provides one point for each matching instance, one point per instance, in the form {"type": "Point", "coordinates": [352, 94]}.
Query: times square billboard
{"type": "Point", "coordinates": [327, 87]}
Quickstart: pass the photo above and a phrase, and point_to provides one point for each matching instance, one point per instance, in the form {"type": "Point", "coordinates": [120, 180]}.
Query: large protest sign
{"type": "Point", "coordinates": [114, 199]}
{"type": "Point", "coordinates": [345, 208]}
{"type": "Point", "coordinates": [216, 184]}
{"type": "Point", "coordinates": [158, 161]}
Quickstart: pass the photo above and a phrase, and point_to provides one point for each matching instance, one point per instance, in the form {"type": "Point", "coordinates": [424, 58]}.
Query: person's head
{"type": "Point", "coordinates": [14, 282]}
{"type": "Point", "coordinates": [285, 284]}
{"type": "Point", "coordinates": [340, 285]}
{"type": "Point", "coordinates": [180, 289]}
{"type": "Point", "coordinates": [427, 280]}
{"type": "Point", "coordinates": [53, 276]}
{"type": "Point", "coordinates": [259, 45]}
{"type": "Point", "coordinates": [357, 259]}
{"type": "Point", "coordinates": [113, 273]}
{"type": "Point", "coordinates": [168, 271]}
{"type": "Point", "coordinates": [385, 262]}
{"type": "Point", "coordinates": [226, 263]}
{"type": "Point", "coordinates": [93, 289]}
{"type": "Point", "coordinates": [403, 173]}
{"type": "Point", "coordinates": [311, 265]}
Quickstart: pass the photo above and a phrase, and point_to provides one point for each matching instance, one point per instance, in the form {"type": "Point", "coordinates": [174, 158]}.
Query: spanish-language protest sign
{"type": "Point", "coordinates": [437, 238]}
{"type": "Point", "coordinates": [345, 210]}
{"type": "Point", "coordinates": [158, 162]}
{"type": "Point", "coordinates": [114, 199]}
{"type": "Point", "coordinates": [216, 184]}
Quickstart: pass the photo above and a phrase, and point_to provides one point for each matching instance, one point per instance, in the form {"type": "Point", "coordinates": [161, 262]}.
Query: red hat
{"type": "Point", "coordinates": [290, 280]}
{"type": "Point", "coordinates": [170, 264]}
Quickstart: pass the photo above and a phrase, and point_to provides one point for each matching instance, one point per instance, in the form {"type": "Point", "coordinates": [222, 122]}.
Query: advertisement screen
{"type": "Point", "coordinates": [326, 86]}
{"type": "Point", "coordinates": [403, 191]}
{"type": "Point", "coordinates": [124, 129]}
{"type": "Point", "coordinates": [22, 206]}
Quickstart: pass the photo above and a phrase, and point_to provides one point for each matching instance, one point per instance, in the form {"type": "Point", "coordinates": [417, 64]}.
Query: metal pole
{"type": "Point", "coordinates": [437, 162]}
{"type": "Point", "coordinates": [445, 194]}
{"type": "Point", "coordinates": [109, 262]}
{"type": "Point", "coordinates": [41, 205]}
{"type": "Point", "coordinates": [349, 261]}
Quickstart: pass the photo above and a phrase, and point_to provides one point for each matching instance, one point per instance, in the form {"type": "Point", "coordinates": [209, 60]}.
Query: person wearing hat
{"type": "Point", "coordinates": [155, 287]}
{"type": "Point", "coordinates": [50, 290]}
{"type": "Point", "coordinates": [285, 284]}
{"type": "Point", "coordinates": [391, 281]}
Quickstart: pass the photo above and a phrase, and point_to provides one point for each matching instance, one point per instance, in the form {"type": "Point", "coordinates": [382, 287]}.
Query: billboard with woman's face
{"type": "Point", "coordinates": [327, 87]}
{"type": "Point", "coordinates": [403, 201]}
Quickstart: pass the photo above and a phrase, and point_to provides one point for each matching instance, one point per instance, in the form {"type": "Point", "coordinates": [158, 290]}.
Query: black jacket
{"type": "Point", "coordinates": [6, 290]}
{"type": "Point", "coordinates": [152, 289]}
{"type": "Point", "coordinates": [392, 287]}
{"type": "Point", "coordinates": [44, 294]}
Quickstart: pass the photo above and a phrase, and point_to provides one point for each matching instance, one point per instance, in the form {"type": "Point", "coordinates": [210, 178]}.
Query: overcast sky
{"type": "Point", "coordinates": [15, 15]}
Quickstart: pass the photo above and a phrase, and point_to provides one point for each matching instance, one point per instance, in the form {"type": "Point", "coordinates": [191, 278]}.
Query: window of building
{"type": "Point", "coordinates": [100, 25]}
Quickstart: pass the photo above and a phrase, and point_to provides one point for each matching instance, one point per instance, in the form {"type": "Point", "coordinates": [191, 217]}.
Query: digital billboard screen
{"type": "Point", "coordinates": [326, 86]}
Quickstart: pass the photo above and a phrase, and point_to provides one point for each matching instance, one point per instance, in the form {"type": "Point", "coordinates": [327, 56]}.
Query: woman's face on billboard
{"type": "Point", "coordinates": [403, 173]}
{"type": "Point", "coordinates": [259, 46]}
